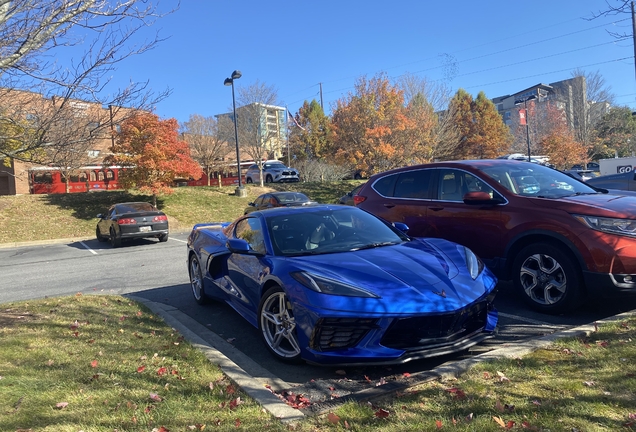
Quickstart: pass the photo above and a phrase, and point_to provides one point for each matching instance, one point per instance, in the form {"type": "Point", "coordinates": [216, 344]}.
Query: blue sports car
{"type": "Point", "coordinates": [332, 284]}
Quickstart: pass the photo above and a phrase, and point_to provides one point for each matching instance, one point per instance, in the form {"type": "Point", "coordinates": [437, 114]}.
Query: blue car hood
{"type": "Point", "coordinates": [409, 277]}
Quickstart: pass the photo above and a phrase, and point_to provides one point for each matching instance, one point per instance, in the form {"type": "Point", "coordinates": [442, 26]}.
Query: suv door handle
{"type": "Point", "coordinates": [389, 205]}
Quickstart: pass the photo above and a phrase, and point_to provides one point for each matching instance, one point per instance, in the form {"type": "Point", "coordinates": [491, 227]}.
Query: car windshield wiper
{"type": "Point", "coordinates": [375, 245]}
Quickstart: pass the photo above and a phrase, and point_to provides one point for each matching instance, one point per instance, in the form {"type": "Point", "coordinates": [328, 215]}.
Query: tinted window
{"type": "Point", "coordinates": [250, 230]}
{"type": "Point", "coordinates": [385, 185]}
{"type": "Point", "coordinates": [413, 184]}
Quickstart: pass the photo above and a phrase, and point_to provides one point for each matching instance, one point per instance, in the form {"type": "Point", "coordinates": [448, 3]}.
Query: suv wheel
{"type": "Point", "coordinates": [248, 180]}
{"type": "Point", "coordinates": [269, 179]}
{"type": "Point", "coordinates": [547, 278]}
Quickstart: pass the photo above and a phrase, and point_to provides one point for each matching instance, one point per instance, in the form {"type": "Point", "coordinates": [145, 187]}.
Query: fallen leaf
{"type": "Point", "coordinates": [406, 375]}
{"type": "Point", "coordinates": [155, 397]}
{"type": "Point", "coordinates": [438, 424]}
{"type": "Point", "coordinates": [588, 383]}
{"type": "Point", "coordinates": [502, 377]}
{"type": "Point", "coordinates": [94, 363]}
{"type": "Point", "coordinates": [333, 418]}
{"type": "Point", "coordinates": [140, 369]}
{"type": "Point", "coordinates": [237, 422]}
{"type": "Point", "coordinates": [162, 371]}
{"type": "Point", "coordinates": [498, 406]}
{"type": "Point", "coordinates": [235, 402]}
{"type": "Point", "coordinates": [499, 421]}
{"type": "Point", "coordinates": [61, 405]}
{"type": "Point", "coordinates": [381, 413]}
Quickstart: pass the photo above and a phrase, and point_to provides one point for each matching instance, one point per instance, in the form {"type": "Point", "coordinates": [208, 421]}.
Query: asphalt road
{"type": "Point", "coordinates": [158, 272]}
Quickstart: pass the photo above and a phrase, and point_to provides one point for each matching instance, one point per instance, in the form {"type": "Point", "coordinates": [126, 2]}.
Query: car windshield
{"type": "Point", "coordinates": [532, 180]}
{"type": "Point", "coordinates": [291, 197]}
{"type": "Point", "coordinates": [274, 166]}
{"type": "Point", "coordinates": [323, 231]}
{"type": "Point", "coordinates": [134, 207]}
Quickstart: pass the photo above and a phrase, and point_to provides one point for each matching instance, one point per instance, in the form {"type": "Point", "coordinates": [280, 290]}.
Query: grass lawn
{"type": "Point", "coordinates": [106, 363]}
{"type": "Point", "coordinates": [45, 217]}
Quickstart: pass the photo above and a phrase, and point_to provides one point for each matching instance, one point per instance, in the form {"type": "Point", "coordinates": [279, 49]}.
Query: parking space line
{"type": "Point", "coordinates": [528, 320]}
{"type": "Point", "coordinates": [182, 241]}
{"type": "Point", "coordinates": [86, 247]}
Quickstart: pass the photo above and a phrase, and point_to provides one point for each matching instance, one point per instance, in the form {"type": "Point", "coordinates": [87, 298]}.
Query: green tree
{"type": "Point", "coordinates": [616, 132]}
{"type": "Point", "coordinates": [312, 138]}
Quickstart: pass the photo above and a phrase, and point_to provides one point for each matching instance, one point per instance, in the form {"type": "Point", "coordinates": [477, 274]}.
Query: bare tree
{"type": "Point", "coordinates": [207, 146]}
{"type": "Point", "coordinates": [436, 93]}
{"type": "Point", "coordinates": [255, 136]}
{"type": "Point", "coordinates": [34, 33]}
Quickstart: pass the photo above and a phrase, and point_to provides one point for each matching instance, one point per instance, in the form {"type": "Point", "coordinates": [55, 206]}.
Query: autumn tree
{"type": "Point", "coordinates": [207, 146]}
{"type": "Point", "coordinates": [371, 127]}
{"type": "Point", "coordinates": [616, 132]}
{"type": "Point", "coordinates": [481, 130]}
{"type": "Point", "coordinates": [434, 119]}
{"type": "Point", "coordinates": [559, 142]}
{"type": "Point", "coordinates": [489, 136]}
{"type": "Point", "coordinates": [152, 155]}
{"type": "Point", "coordinates": [36, 36]}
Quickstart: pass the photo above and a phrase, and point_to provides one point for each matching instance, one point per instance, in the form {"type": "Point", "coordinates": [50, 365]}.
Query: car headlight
{"type": "Point", "coordinates": [626, 227]}
{"type": "Point", "coordinates": [473, 263]}
{"type": "Point", "coordinates": [329, 286]}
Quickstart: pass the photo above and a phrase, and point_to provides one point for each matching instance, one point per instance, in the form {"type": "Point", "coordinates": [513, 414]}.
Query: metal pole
{"type": "Point", "coordinates": [525, 105]}
{"type": "Point", "coordinates": [238, 156]}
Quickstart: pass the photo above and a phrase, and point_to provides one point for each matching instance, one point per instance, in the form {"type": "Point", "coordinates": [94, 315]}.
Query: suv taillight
{"type": "Point", "coordinates": [126, 221]}
{"type": "Point", "coordinates": [160, 218]}
{"type": "Point", "coordinates": [357, 199]}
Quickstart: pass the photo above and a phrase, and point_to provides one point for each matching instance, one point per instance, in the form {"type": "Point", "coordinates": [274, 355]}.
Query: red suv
{"type": "Point", "coordinates": [558, 239]}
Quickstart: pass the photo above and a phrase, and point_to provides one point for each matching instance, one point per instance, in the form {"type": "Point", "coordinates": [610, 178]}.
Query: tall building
{"type": "Point", "coordinates": [262, 128]}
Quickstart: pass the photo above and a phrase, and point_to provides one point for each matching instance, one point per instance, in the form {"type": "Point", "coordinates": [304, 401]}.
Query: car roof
{"type": "Point", "coordinates": [475, 163]}
{"type": "Point", "coordinates": [300, 209]}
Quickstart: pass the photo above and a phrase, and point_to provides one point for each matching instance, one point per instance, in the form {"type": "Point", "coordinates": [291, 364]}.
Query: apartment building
{"type": "Point", "coordinates": [260, 125]}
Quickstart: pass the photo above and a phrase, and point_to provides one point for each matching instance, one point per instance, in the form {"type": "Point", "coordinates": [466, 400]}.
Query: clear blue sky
{"type": "Point", "coordinates": [498, 47]}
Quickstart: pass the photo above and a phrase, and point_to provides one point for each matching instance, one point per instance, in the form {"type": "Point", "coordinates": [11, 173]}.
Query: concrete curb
{"type": "Point", "coordinates": [63, 240]}
{"type": "Point", "coordinates": [252, 378]}
{"type": "Point", "coordinates": [253, 385]}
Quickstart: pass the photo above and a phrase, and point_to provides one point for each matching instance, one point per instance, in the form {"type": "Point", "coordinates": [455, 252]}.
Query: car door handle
{"type": "Point", "coordinates": [389, 205]}
{"type": "Point", "coordinates": [436, 208]}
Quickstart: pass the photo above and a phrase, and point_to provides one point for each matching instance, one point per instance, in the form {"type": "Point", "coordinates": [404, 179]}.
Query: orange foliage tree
{"type": "Point", "coordinates": [372, 130]}
{"type": "Point", "coordinates": [558, 142]}
{"type": "Point", "coordinates": [153, 156]}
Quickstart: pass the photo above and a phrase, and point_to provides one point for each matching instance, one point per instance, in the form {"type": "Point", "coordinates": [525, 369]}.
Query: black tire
{"type": "Point", "coordinates": [196, 281]}
{"type": "Point", "coordinates": [278, 327]}
{"type": "Point", "coordinates": [100, 237]}
{"type": "Point", "coordinates": [548, 278]}
{"type": "Point", "coordinates": [248, 180]}
{"type": "Point", "coordinates": [163, 238]}
{"type": "Point", "coordinates": [114, 240]}
{"type": "Point", "coordinates": [269, 179]}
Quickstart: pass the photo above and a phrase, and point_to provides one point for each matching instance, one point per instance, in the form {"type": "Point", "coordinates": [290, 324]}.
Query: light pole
{"type": "Point", "coordinates": [525, 120]}
{"type": "Point", "coordinates": [240, 191]}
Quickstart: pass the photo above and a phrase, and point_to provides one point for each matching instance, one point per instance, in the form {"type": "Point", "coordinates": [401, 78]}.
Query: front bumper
{"type": "Point", "coordinates": [608, 284]}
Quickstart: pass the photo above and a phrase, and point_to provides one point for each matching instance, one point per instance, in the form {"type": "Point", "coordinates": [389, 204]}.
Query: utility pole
{"type": "Point", "coordinates": [634, 34]}
{"type": "Point", "coordinates": [323, 108]}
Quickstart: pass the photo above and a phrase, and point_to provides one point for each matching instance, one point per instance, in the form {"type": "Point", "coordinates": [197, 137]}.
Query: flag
{"type": "Point", "coordinates": [294, 120]}
{"type": "Point", "coordinates": [522, 116]}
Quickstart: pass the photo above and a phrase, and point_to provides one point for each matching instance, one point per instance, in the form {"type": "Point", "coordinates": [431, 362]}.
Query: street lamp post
{"type": "Point", "coordinates": [240, 191]}
{"type": "Point", "coordinates": [525, 111]}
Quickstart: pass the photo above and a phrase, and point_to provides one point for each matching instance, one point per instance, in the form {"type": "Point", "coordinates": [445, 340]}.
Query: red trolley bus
{"type": "Point", "coordinates": [45, 180]}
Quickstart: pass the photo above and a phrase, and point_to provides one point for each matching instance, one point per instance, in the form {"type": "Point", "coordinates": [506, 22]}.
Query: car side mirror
{"type": "Point", "coordinates": [100, 216]}
{"type": "Point", "coordinates": [251, 204]}
{"type": "Point", "coordinates": [401, 226]}
{"type": "Point", "coordinates": [240, 246]}
{"type": "Point", "coordinates": [480, 198]}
